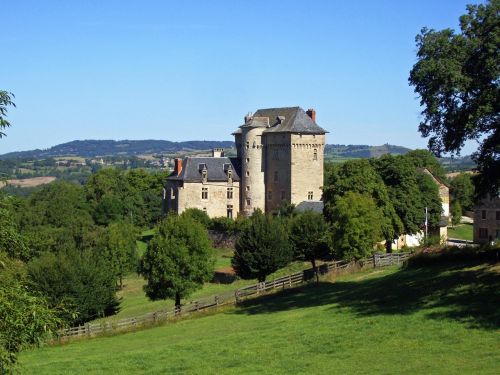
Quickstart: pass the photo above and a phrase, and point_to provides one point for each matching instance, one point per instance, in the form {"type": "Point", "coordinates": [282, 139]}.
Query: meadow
{"type": "Point", "coordinates": [461, 232]}
{"type": "Point", "coordinates": [439, 319]}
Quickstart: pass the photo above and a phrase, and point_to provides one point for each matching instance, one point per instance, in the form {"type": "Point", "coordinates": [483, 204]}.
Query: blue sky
{"type": "Point", "coordinates": [186, 70]}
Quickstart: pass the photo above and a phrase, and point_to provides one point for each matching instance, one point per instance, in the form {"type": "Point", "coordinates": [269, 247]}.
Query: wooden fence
{"type": "Point", "coordinates": [231, 297]}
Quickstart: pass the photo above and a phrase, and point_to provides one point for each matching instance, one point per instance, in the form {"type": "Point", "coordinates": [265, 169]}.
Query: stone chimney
{"type": "Point", "coordinates": [178, 166]}
{"type": "Point", "coordinates": [218, 153]}
{"type": "Point", "coordinates": [312, 114]}
{"type": "Point", "coordinates": [248, 117]}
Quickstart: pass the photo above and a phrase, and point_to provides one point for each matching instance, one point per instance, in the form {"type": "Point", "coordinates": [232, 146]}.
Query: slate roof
{"type": "Point", "coordinates": [216, 169]}
{"type": "Point", "coordinates": [295, 120]}
{"type": "Point", "coordinates": [316, 206]}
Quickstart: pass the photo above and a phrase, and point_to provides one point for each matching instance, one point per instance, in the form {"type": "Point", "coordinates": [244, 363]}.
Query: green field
{"type": "Point", "coordinates": [461, 232]}
{"type": "Point", "coordinates": [435, 320]}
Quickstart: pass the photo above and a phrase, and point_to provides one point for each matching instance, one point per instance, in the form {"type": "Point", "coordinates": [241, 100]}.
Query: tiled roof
{"type": "Point", "coordinates": [284, 120]}
{"type": "Point", "coordinates": [216, 169]}
{"type": "Point", "coordinates": [316, 206]}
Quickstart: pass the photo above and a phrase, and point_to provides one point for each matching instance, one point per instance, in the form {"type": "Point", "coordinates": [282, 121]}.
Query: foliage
{"type": "Point", "coordinates": [462, 190]}
{"type": "Point", "coordinates": [179, 259]}
{"type": "Point", "coordinates": [80, 280]}
{"type": "Point", "coordinates": [356, 225]}
{"type": "Point", "coordinates": [456, 213]}
{"type": "Point", "coordinates": [25, 318]}
{"type": "Point", "coordinates": [262, 248]}
{"type": "Point", "coordinates": [223, 224]}
{"type": "Point", "coordinates": [457, 79]}
{"type": "Point", "coordinates": [361, 177]}
{"type": "Point", "coordinates": [5, 101]}
{"type": "Point", "coordinates": [120, 249]}
{"type": "Point", "coordinates": [429, 197]}
{"type": "Point", "coordinates": [425, 159]}
{"type": "Point", "coordinates": [197, 215]}
{"type": "Point", "coordinates": [11, 241]}
{"type": "Point", "coordinates": [310, 237]}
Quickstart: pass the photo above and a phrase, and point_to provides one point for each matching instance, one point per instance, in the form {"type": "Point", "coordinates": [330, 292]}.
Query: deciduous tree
{"type": "Point", "coordinates": [5, 101]}
{"type": "Point", "coordinates": [179, 259]}
{"type": "Point", "coordinates": [457, 76]}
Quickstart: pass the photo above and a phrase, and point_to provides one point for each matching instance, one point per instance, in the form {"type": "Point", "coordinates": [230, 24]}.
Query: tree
{"type": "Point", "coordinates": [5, 101]}
{"type": "Point", "coordinates": [462, 190]}
{"type": "Point", "coordinates": [25, 318]}
{"type": "Point", "coordinates": [262, 248]}
{"type": "Point", "coordinates": [120, 249]}
{"type": "Point", "coordinates": [310, 237]}
{"type": "Point", "coordinates": [356, 225]}
{"type": "Point", "coordinates": [457, 77]}
{"type": "Point", "coordinates": [456, 213]}
{"type": "Point", "coordinates": [198, 215]}
{"type": "Point", "coordinates": [80, 280]}
{"type": "Point", "coordinates": [361, 177]}
{"type": "Point", "coordinates": [179, 259]}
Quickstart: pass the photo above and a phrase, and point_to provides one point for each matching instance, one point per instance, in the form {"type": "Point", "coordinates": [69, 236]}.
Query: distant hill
{"type": "Point", "coordinates": [93, 148]}
{"type": "Point", "coordinates": [363, 151]}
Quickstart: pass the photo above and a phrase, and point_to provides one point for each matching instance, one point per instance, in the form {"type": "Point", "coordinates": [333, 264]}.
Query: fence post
{"type": "Point", "coordinates": [216, 300]}
{"type": "Point", "coordinates": [87, 329]}
{"type": "Point", "coordinates": [374, 260]}
{"type": "Point", "coordinates": [290, 280]}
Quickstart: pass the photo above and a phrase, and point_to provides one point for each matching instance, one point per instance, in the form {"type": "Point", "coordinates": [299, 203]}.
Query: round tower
{"type": "Point", "coordinates": [253, 192]}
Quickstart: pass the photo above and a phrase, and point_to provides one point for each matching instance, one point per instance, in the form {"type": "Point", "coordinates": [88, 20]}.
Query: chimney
{"type": "Point", "coordinates": [217, 152]}
{"type": "Point", "coordinates": [248, 117]}
{"type": "Point", "coordinates": [178, 167]}
{"type": "Point", "coordinates": [312, 114]}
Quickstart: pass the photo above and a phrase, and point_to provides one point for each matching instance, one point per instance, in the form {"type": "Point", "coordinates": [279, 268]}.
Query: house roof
{"type": "Point", "coordinates": [316, 206]}
{"type": "Point", "coordinates": [217, 169]}
{"type": "Point", "coordinates": [283, 120]}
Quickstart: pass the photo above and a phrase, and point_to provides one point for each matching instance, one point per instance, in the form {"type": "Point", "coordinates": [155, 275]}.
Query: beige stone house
{"type": "Point", "coordinates": [487, 220]}
{"type": "Point", "coordinates": [279, 159]}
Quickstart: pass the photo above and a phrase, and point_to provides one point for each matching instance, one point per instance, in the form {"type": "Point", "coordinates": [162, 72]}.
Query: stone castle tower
{"type": "Point", "coordinates": [279, 159]}
{"type": "Point", "coordinates": [281, 152]}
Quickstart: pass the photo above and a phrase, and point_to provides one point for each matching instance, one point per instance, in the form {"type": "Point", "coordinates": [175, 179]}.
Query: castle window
{"type": "Point", "coordinates": [276, 155]}
{"type": "Point", "coordinates": [498, 215]}
{"type": "Point", "coordinates": [229, 174]}
{"type": "Point", "coordinates": [248, 202]}
{"type": "Point", "coordinates": [248, 145]}
{"type": "Point", "coordinates": [229, 193]}
{"type": "Point", "coordinates": [315, 155]}
{"type": "Point", "coordinates": [204, 175]}
{"type": "Point", "coordinates": [204, 193]}
{"type": "Point", "coordinates": [204, 209]}
{"type": "Point", "coordinates": [248, 173]}
{"type": "Point", "coordinates": [172, 193]}
{"type": "Point", "coordinates": [310, 195]}
{"type": "Point", "coordinates": [248, 160]}
{"type": "Point", "coordinates": [269, 195]}
{"type": "Point", "coordinates": [483, 214]}
{"type": "Point", "coordinates": [248, 188]}
{"type": "Point", "coordinates": [275, 176]}
{"type": "Point", "coordinates": [230, 211]}
{"type": "Point", "coordinates": [282, 195]}
{"type": "Point", "coordinates": [483, 232]}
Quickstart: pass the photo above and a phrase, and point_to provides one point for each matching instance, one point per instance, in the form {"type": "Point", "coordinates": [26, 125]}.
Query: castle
{"type": "Point", "coordinates": [279, 159]}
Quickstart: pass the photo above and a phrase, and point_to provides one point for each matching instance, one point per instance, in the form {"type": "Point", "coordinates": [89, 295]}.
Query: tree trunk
{"type": "Point", "coordinates": [315, 269]}
{"type": "Point", "coordinates": [388, 246]}
{"type": "Point", "coordinates": [177, 302]}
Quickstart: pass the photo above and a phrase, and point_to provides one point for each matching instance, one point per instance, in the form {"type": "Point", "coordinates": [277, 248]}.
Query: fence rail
{"type": "Point", "coordinates": [232, 297]}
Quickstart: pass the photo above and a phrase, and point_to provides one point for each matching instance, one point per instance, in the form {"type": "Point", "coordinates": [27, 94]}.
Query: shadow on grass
{"type": "Point", "coordinates": [447, 291]}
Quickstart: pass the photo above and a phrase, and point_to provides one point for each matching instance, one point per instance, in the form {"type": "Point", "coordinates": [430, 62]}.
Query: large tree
{"type": "Point", "coordinates": [5, 101]}
{"type": "Point", "coordinates": [361, 177]}
{"type": "Point", "coordinates": [179, 259]}
{"type": "Point", "coordinates": [356, 225]}
{"type": "Point", "coordinates": [310, 237]}
{"type": "Point", "coordinates": [262, 248]}
{"type": "Point", "coordinates": [457, 77]}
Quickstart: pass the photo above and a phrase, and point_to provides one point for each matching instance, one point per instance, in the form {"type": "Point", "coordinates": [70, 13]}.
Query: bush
{"type": "Point", "coordinates": [197, 215]}
{"type": "Point", "coordinates": [223, 224]}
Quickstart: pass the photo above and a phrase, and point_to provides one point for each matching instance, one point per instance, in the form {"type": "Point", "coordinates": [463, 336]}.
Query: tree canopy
{"type": "Point", "coordinates": [179, 259]}
{"type": "Point", "coordinates": [5, 101]}
{"type": "Point", "coordinates": [262, 248]}
{"type": "Point", "coordinates": [457, 77]}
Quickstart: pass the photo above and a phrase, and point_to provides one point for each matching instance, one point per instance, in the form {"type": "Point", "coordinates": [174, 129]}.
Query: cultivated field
{"type": "Point", "coordinates": [28, 182]}
{"type": "Point", "coordinates": [442, 319]}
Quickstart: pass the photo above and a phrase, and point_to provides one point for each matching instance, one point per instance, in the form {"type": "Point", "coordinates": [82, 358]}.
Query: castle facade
{"type": "Point", "coordinates": [280, 154]}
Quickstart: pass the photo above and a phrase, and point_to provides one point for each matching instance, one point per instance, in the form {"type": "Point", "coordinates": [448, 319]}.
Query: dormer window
{"type": "Point", "coordinates": [204, 175]}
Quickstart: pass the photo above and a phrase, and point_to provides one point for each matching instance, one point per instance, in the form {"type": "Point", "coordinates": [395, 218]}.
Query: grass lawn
{"type": "Point", "coordinates": [133, 301]}
{"type": "Point", "coordinates": [461, 232]}
{"type": "Point", "coordinates": [435, 320]}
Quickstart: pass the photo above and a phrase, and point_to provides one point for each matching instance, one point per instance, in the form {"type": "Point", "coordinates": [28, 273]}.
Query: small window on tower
{"type": "Point", "coordinates": [248, 145]}
{"type": "Point", "coordinates": [248, 173]}
{"type": "Point", "coordinates": [248, 202]}
{"type": "Point", "coordinates": [248, 188]}
{"type": "Point", "coordinates": [282, 195]}
{"type": "Point", "coordinates": [310, 195]}
{"type": "Point", "coordinates": [269, 195]}
{"type": "Point", "coordinates": [229, 193]}
{"type": "Point", "coordinates": [204, 175]}
{"type": "Point", "coordinates": [315, 155]}
{"type": "Point", "coordinates": [204, 193]}
{"type": "Point", "coordinates": [483, 214]}
{"type": "Point", "coordinates": [275, 176]}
